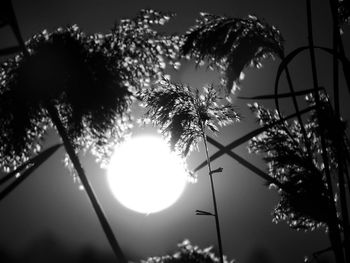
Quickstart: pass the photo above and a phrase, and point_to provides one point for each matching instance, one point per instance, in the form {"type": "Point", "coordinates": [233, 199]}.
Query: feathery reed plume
{"type": "Point", "coordinates": [231, 44]}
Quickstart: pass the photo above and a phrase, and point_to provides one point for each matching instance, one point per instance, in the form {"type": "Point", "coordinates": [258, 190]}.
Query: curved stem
{"type": "Point", "coordinates": [216, 215]}
{"type": "Point", "coordinates": [84, 180]}
{"type": "Point", "coordinates": [334, 232]}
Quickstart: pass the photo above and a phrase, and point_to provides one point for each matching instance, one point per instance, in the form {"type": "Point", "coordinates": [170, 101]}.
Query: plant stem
{"type": "Point", "coordinates": [14, 25]}
{"type": "Point", "coordinates": [216, 215]}
{"type": "Point", "coordinates": [336, 34]}
{"type": "Point", "coordinates": [84, 180]}
{"type": "Point", "coordinates": [345, 65]}
{"type": "Point", "coordinates": [334, 232]}
{"type": "Point", "coordinates": [28, 168]}
{"type": "Point", "coordinates": [340, 159]}
{"type": "Point", "coordinates": [297, 110]}
{"type": "Point", "coordinates": [250, 135]}
{"type": "Point", "coordinates": [250, 166]}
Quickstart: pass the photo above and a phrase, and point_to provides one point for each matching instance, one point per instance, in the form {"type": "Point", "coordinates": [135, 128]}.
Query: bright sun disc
{"type": "Point", "coordinates": [145, 176]}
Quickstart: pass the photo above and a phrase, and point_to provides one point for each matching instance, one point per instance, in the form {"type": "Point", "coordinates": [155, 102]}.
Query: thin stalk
{"type": "Point", "coordinates": [334, 232]}
{"type": "Point", "coordinates": [335, 61]}
{"type": "Point", "coordinates": [35, 163]}
{"type": "Point", "coordinates": [343, 205]}
{"type": "Point", "coordinates": [250, 135]}
{"type": "Point", "coordinates": [24, 166]}
{"type": "Point", "coordinates": [216, 214]}
{"type": "Point", "coordinates": [340, 46]}
{"type": "Point", "coordinates": [340, 159]}
{"type": "Point", "coordinates": [15, 27]}
{"type": "Point", "coordinates": [247, 164]}
{"type": "Point", "coordinates": [346, 68]}
{"type": "Point", "coordinates": [297, 110]}
{"type": "Point", "coordinates": [84, 180]}
{"type": "Point", "coordinates": [347, 179]}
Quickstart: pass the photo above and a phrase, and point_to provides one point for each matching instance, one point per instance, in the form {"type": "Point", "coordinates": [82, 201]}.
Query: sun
{"type": "Point", "coordinates": [145, 176]}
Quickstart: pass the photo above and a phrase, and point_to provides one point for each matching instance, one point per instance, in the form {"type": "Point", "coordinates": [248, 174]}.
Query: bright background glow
{"type": "Point", "coordinates": [145, 176]}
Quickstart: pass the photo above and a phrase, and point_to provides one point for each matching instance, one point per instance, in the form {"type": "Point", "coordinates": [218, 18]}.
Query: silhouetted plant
{"type": "Point", "coordinates": [314, 154]}
{"type": "Point", "coordinates": [184, 115]}
{"type": "Point", "coordinates": [340, 16]}
{"type": "Point", "coordinates": [91, 77]}
{"type": "Point", "coordinates": [187, 253]}
{"type": "Point", "coordinates": [306, 203]}
{"type": "Point", "coordinates": [335, 231]}
{"type": "Point", "coordinates": [83, 86]}
{"type": "Point", "coordinates": [71, 72]}
{"type": "Point", "coordinates": [231, 44]}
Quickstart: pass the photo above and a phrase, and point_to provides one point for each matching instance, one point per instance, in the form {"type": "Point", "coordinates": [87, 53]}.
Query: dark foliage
{"type": "Point", "coordinates": [231, 44]}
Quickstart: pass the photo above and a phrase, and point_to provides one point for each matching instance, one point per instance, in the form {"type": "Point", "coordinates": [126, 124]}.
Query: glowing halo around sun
{"type": "Point", "coordinates": [145, 176]}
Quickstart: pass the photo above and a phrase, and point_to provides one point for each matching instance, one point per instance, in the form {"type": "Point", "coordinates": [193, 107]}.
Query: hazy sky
{"type": "Point", "coordinates": [51, 203]}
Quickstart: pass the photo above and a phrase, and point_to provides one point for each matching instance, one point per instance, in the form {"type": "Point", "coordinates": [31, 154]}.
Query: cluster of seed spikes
{"type": "Point", "coordinates": [188, 253]}
{"type": "Point", "coordinates": [183, 114]}
{"type": "Point", "coordinates": [305, 203]}
{"type": "Point", "coordinates": [90, 79]}
{"type": "Point", "coordinates": [143, 52]}
{"type": "Point", "coordinates": [230, 44]}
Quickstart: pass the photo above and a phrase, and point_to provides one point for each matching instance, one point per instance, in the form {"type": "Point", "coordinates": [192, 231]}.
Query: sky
{"type": "Point", "coordinates": [50, 206]}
